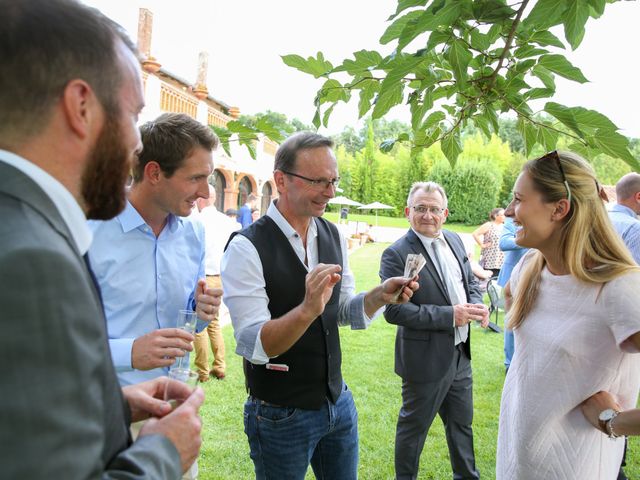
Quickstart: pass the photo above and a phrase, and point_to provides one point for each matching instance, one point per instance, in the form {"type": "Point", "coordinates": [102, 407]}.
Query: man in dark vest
{"type": "Point", "coordinates": [288, 287]}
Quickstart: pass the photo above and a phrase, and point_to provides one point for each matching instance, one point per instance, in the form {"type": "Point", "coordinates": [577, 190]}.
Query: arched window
{"type": "Point", "coordinates": [266, 198]}
{"type": "Point", "coordinates": [244, 189]}
{"type": "Point", "coordinates": [219, 183]}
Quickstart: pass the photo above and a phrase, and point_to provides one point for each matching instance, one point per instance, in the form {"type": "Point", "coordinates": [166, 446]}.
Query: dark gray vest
{"type": "Point", "coordinates": [314, 360]}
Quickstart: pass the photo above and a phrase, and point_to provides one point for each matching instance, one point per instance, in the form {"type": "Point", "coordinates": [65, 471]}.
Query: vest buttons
{"type": "Point", "coordinates": [327, 332]}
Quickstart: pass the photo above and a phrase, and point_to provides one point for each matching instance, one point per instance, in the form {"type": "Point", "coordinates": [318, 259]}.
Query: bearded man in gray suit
{"type": "Point", "coordinates": [70, 94]}
{"type": "Point", "coordinates": [433, 354]}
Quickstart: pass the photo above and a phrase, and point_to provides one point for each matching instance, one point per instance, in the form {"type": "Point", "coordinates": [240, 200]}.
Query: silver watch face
{"type": "Point", "coordinates": [607, 415]}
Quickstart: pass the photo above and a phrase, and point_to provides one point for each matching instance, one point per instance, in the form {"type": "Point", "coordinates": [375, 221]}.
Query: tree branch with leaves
{"type": "Point", "coordinates": [459, 62]}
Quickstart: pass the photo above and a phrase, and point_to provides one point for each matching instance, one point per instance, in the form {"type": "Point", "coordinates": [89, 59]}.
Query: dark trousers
{"type": "Point", "coordinates": [452, 399]}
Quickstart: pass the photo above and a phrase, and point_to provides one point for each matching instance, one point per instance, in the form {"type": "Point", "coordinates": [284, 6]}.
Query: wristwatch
{"type": "Point", "coordinates": [604, 421]}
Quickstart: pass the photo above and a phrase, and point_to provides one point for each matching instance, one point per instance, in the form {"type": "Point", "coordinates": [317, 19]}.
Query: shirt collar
{"type": "Point", "coordinates": [130, 219]}
{"type": "Point", "coordinates": [284, 225]}
{"type": "Point", "coordinates": [65, 203]}
{"type": "Point", "coordinates": [623, 209]}
{"type": "Point", "coordinates": [427, 241]}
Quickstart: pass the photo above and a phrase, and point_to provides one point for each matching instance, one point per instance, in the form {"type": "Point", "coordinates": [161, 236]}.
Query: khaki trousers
{"type": "Point", "coordinates": [213, 333]}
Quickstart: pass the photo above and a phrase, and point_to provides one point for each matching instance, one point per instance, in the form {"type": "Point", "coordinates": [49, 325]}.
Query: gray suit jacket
{"type": "Point", "coordinates": [425, 336]}
{"type": "Point", "coordinates": [62, 413]}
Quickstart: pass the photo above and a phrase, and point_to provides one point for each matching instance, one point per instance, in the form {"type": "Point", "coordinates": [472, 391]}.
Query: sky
{"type": "Point", "coordinates": [245, 39]}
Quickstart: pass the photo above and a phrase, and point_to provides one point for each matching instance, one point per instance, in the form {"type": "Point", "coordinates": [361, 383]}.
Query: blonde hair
{"type": "Point", "coordinates": [592, 250]}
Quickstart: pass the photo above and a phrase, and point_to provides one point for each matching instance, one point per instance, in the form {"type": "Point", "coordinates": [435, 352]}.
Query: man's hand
{"type": "Point", "coordinates": [464, 313]}
{"type": "Point", "coordinates": [398, 289]}
{"type": "Point", "coordinates": [207, 301]}
{"type": "Point", "coordinates": [595, 404]}
{"type": "Point", "coordinates": [160, 348]}
{"type": "Point", "coordinates": [182, 426]}
{"type": "Point", "coordinates": [319, 284]}
{"type": "Point", "coordinates": [145, 399]}
{"type": "Point", "coordinates": [392, 290]}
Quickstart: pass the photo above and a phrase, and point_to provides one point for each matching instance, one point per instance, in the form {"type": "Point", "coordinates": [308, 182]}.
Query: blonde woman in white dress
{"type": "Point", "coordinates": [576, 319]}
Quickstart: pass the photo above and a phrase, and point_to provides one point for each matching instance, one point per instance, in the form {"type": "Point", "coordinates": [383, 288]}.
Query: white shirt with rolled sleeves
{"type": "Point", "coordinates": [246, 296]}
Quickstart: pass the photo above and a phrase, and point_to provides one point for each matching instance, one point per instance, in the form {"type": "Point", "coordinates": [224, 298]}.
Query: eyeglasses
{"type": "Point", "coordinates": [554, 156]}
{"type": "Point", "coordinates": [422, 209]}
{"type": "Point", "coordinates": [317, 183]}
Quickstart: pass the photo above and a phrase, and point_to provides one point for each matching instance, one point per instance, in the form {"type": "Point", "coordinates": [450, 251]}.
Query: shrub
{"type": "Point", "coordinates": [472, 189]}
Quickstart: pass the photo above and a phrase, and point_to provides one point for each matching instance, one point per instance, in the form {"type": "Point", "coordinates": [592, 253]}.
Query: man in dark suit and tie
{"type": "Point", "coordinates": [70, 94]}
{"type": "Point", "coordinates": [432, 343]}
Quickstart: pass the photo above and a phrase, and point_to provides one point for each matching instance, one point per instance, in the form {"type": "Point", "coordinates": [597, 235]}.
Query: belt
{"type": "Point", "coordinates": [262, 402]}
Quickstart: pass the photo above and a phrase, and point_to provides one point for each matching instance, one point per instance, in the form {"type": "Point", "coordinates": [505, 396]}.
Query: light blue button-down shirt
{"type": "Point", "coordinates": [144, 280]}
{"type": "Point", "coordinates": [628, 227]}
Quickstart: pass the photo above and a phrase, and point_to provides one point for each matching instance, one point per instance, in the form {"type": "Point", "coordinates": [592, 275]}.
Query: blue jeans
{"type": "Point", "coordinates": [283, 440]}
{"type": "Point", "coordinates": [509, 347]}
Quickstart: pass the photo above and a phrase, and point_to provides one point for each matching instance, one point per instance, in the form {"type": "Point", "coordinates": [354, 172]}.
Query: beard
{"type": "Point", "coordinates": [104, 178]}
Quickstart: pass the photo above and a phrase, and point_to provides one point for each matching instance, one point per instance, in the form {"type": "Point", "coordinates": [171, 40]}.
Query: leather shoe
{"type": "Point", "coordinates": [203, 378]}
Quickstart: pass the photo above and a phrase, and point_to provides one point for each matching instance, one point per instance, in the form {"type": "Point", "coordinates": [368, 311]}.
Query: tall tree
{"type": "Point", "coordinates": [458, 62]}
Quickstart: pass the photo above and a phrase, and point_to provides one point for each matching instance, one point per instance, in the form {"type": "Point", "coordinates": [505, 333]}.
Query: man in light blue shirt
{"type": "Point", "coordinates": [149, 260]}
{"type": "Point", "coordinates": [623, 215]}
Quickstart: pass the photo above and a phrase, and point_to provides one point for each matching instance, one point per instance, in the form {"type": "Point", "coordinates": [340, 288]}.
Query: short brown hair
{"type": "Point", "coordinates": [287, 152]}
{"type": "Point", "coordinates": [169, 139]}
{"type": "Point", "coordinates": [44, 44]}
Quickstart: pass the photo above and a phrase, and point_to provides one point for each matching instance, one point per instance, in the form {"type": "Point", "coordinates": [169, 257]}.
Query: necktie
{"type": "Point", "coordinates": [449, 281]}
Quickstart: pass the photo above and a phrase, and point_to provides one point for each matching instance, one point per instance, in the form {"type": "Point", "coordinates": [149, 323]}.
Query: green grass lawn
{"type": "Point", "coordinates": [368, 370]}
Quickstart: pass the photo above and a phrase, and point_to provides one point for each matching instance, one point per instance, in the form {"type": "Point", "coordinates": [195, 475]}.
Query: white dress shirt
{"type": "Point", "coordinates": [245, 293]}
{"type": "Point", "coordinates": [66, 204]}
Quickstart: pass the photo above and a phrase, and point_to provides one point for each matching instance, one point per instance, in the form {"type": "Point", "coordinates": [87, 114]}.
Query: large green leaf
{"type": "Point", "coordinates": [459, 57]}
{"type": "Point", "coordinates": [419, 107]}
{"type": "Point", "coordinates": [224, 135]}
{"type": "Point", "coordinates": [529, 51]}
{"type": "Point", "coordinates": [564, 115]}
{"type": "Point", "coordinates": [545, 38]}
{"type": "Point", "coordinates": [529, 134]}
{"type": "Point", "coordinates": [575, 19]}
{"type": "Point", "coordinates": [547, 137]}
{"type": "Point", "coordinates": [598, 6]}
{"type": "Point", "coordinates": [592, 119]}
{"type": "Point", "coordinates": [368, 90]}
{"type": "Point", "coordinates": [451, 146]}
{"type": "Point", "coordinates": [432, 119]}
{"type": "Point", "coordinates": [266, 126]}
{"type": "Point", "coordinates": [535, 93]}
{"type": "Point", "coordinates": [479, 41]}
{"type": "Point", "coordinates": [437, 37]}
{"type": "Point", "coordinates": [546, 13]}
{"type": "Point", "coordinates": [429, 21]}
{"type": "Point", "coordinates": [394, 30]}
{"type": "Point", "coordinates": [615, 145]}
{"type": "Point", "coordinates": [364, 60]}
{"type": "Point", "coordinates": [492, 10]}
{"type": "Point", "coordinates": [317, 66]}
{"type": "Point", "coordinates": [405, 4]}
{"type": "Point", "coordinates": [545, 76]}
{"type": "Point", "coordinates": [327, 114]}
{"type": "Point", "coordinates": [333, 91]}
{"type": "Point", "coordinates": [483, 124]}
{"type": "Point", "coordinates": [560, 65]}
{"type": "Point", "coordinates": [390, 98]}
